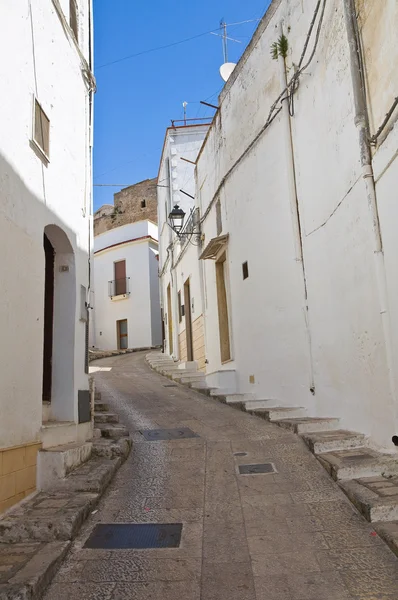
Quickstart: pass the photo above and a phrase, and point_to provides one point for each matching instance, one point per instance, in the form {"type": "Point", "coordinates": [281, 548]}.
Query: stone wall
{"type": "Point", "coordinates": [135, 203]}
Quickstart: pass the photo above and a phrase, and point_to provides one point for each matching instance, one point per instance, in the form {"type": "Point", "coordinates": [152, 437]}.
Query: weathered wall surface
{"type": "Point", "coordinates": [135, 203]}
{"type": "Point", "coordinates": [336, 349]}
{"type": "Point", "coordinates": [135, 243]}
{"type": "Point", "coordinates": [34, 195]}
{"type": "Point", "coordinates": [179, 260]}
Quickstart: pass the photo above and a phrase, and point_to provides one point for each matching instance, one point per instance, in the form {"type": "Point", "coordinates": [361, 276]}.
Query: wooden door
{"type": "Point", "coordinates": [49, 255]}
{"type": "Point", "coordinates": [223, 322]}
{"type": "Point", "coordinates": [120, 277]}
{"type": "Point", "coordinates": [188, 319]}
{"type": "Point", "coordinates": [170, 319]}
{"type": "Point", "coordinates": [122, 335]}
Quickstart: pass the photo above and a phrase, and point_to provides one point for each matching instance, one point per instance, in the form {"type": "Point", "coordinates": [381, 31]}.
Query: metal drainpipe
{"type": "Point", "coordinates": [294, 209]}
{"type": "Point", "coordinates": [367, 172]}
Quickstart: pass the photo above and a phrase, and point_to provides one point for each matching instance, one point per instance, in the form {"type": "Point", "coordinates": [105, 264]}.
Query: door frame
{"type": "Point", "coordinates": [188, 320]}
{"type": "Point", "coordinates": [170, 319]}
{"type": "Point", "coordinates": [120, 335]}
{"type": "Point", "coordinates": [224, 329]}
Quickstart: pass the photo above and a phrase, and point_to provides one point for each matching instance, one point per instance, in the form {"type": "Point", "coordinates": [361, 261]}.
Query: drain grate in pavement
{"type": "Point", "coordinates": [256, 469]}
{"type": "Point", "coordinates": [120, 536]}
{"type": "Point", "coordinates": [170, 385]}
{"type": "Point", "coordinates": [154, 435]}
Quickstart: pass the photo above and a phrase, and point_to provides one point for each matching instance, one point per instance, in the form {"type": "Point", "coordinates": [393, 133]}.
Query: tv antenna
{"type": "Point", "coordinates": [227, 67]}
{"type": "Point", "coordinates": [225, 37]}
{"type": "Point", "coordinates": [184, 105]}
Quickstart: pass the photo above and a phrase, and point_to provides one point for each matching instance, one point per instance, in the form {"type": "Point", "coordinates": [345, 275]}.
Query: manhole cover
{"type": "Point", "coordinates": [256, 469]}
{"type": "Point", "coordinates": [170, 385]}
{"type": "Point", "coordinates": [124, 536]}
{"type": "Point", "coordinates": [153, 435]}
{"type": "Point", "coordinates": [240, 454]}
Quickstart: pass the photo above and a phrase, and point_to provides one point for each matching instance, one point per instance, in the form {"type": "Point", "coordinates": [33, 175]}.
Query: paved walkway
{"type": "Point", "coordinates": [285, 536]}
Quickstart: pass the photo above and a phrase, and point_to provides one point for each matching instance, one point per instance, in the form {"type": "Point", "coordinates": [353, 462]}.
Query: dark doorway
{"type": "Point", "coordinates": [48, 318]}
{"type": "Point", "coordinates": [122, 335]}
{"type": "Point", "coordinates": [188, 319]}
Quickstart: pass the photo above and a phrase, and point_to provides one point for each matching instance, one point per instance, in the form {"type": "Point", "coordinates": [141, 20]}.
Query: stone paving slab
{"type": "Point", "coordinates": [27, 569]}
{"type": "Point", "coordinates": [375, 497]}
{"type": "Point", "coordinates": [289, 535]}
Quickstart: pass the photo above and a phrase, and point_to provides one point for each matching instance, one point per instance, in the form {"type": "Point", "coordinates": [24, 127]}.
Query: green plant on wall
{"type": "Point", "coordinates": [280, 47]}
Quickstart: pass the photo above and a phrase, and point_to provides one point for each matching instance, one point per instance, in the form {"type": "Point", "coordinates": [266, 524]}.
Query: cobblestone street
{"type": "Point", "coordinates": [289, 534]}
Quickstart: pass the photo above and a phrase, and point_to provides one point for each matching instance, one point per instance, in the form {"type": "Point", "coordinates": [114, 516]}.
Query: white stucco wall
{"type": "Point", "coordinates": [346, 359]}
{"type": "Point", "coordinates": [42, 62]}
{"type": "Point", "coordinates": [136, 244]}
{"type": "Point", "coordinates": [181, 142]}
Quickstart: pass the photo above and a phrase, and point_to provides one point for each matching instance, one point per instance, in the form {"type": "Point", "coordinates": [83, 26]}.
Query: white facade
{"type": "Point", "coordinates": [137, 299]}
{"type": "Point", "coordinates": [178, 262]}
{"type": "Point", "coordinates": [44, 195]}
{"type": "Point", "coordinates": [315, 322]}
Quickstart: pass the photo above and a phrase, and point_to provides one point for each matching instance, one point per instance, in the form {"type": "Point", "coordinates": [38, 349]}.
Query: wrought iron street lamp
{"type": "Point", "coordinates": [176, 218]}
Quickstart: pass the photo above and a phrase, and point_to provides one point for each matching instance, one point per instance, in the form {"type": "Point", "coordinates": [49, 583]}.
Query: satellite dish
{"type": "Point", "coordinates": [226, 70]}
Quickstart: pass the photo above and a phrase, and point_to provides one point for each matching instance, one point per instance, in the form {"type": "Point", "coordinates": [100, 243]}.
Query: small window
{"type": "Point", "coordinates": [179, 307]}
{"type": "Point", "coordinates": [143, 203]}
{"type": "Point", "coordinates": [41, 130]}
{"type": "Point", "coordinates": [73, 19]}
{"type": "Point", "coordinates": [245, 270]}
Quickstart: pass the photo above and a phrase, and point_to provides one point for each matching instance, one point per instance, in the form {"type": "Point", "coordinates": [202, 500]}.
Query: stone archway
{"type": "Point", "coordinates": [59, 324]}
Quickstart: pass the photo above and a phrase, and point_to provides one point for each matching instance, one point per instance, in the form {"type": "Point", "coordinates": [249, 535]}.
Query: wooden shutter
{"type": "Point", "coordinates": [120, 277]}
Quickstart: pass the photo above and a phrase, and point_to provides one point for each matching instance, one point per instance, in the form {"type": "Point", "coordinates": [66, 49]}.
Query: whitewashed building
{"type": "Point", "coordinates": [180, 278]}
{"type": "Point", "coordinates": [126, 287]}
{"type": "Point", "coordinates": [296, 201]}
{"type": "Point", "coordinates": [45, 231]}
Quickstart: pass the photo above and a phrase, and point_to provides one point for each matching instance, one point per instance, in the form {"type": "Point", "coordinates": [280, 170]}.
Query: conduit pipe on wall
{"type": "Point", "coordinates": [294, 207]}
{"type": "Point", "coordinates": [361, 122]}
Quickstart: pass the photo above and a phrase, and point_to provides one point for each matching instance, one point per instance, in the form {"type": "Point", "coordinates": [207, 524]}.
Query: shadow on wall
{"type": "Point", "coordinates": [40, 349]}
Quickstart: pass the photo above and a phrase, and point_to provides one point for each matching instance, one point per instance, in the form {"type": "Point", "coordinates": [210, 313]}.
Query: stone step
{"type": "Point", "coordinates": [109, 448]}
{"type": "Point", "coordinates": [375, 497]}
{"type": "Point", "coordinates": [162, 363]}
{"type": "Point", "coordinates": [328, 441]}
{"type": "Point", "coordinates": [27, 569]}
{"type": "Point", "coordinates": [97, 396]}
{"type": "Point", "coordinates": [57, 433]}
{"type": "Point", "coordinates": [56, 462]}
{"type": "Point", "coordinates": [254, 404]}
{"type": "Point", "coordinates": [389, 533]}
{"type": "Point", "coordinates": [358, 463]}
{"type": "Point", "coordinates": [222, 392]}
{"type": "Point", "coordinates": [308, 424]}
{"type": "Point", "coordinates": [108, 430]}
{"type": "Point", "coordinates": [203, 388]}
{"type": "Point", "coordinates": [171, 371]}
{"type": "Point", "coordinates": [276, 413]}
{"type": "Point", "coordinates": [235, 400]}
{"type": "Point", "coordinates": [193, 379]}
{"type": "Point", "coordinates": [101, 407]}
{"type": "Point", "coordinates": [105, 417]}
{"type": "Point", "coordinates": [177, 376]}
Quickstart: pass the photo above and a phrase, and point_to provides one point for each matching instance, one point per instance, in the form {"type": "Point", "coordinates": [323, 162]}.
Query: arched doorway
{"type": "Point", "coordinates": [59, 325]}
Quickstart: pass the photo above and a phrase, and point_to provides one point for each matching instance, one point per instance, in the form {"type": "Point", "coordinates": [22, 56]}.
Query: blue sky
{"type": "Point", "coordinates": [136, 98]}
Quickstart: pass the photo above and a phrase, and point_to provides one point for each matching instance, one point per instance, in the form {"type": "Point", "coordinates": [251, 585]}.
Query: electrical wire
{"type": "Point", "coordinates": [274, 111]}
{"type": "Point", "coordinates": [374, 138]}
{"type": "Point", "coordinates": [194, 37]}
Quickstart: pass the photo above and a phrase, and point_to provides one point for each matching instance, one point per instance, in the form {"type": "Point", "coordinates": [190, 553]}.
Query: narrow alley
{"type": "Point", "coordinates": [286, 534]}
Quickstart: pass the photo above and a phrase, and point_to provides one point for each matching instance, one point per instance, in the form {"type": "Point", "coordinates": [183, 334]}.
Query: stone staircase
{"type": "Point", "coordinates": [368, 478]}
{"type": "Point", "coordinates": [111, 439]}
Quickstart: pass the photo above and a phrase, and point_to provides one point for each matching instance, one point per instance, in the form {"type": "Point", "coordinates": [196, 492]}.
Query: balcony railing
{"type": "Point", "coordinates": [119, 287]}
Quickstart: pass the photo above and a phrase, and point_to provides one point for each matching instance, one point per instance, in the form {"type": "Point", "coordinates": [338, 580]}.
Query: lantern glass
{"type": "Point", "coordinates": [176, 218]}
